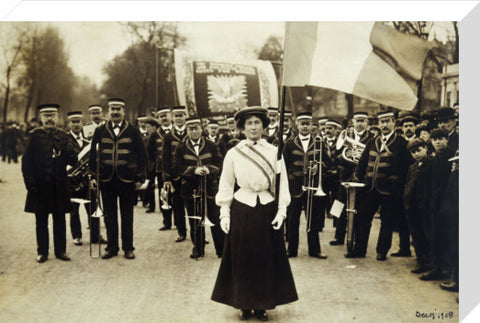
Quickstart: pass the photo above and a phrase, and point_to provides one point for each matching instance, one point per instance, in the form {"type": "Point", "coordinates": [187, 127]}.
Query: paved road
{"type": "Point", "coordinates": [164, 285]}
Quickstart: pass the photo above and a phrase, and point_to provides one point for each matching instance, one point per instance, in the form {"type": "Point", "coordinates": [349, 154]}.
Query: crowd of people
{"type": "Point", "coordinates": [224, 177]}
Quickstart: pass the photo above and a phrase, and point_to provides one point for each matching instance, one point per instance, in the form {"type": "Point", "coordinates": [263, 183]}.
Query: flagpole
{"type": "Point", "coordinates": [280, 144]}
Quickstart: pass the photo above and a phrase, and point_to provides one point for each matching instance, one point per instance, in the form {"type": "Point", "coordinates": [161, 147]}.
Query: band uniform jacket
{"type": "Point", "coordinates": [170, 143]}
{"type": "Point", "coordinates": [154, 150]}
{"type": "Point", "coordinates": [186, 161]}
{"type": "Point", "coordinates": [385, 170]}
{"type": "Point", "coordinates": [123, 156]}
{"type": "Point", "coordinates": [44, 168]}
{"type": "Point", "coordinates": [296, 163]}
{"type": "Point", "coordinates": [418, 185]}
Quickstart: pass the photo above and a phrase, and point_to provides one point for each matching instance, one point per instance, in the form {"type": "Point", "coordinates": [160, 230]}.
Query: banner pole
{"type": "Point", "coordinates": [281, 143]}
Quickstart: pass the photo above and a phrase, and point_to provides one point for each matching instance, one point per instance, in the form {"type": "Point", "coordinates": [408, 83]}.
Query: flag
{"type": "Point", "coordinates": [367, 59]}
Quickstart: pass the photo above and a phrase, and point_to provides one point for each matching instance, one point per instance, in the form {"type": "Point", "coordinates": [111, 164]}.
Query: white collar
{"type": "Point", "coordinates": [180, 129]}
{"type": "Point", "coordinates": [195, 143]}
{"type": "Point", "coordinates": [167, 128]}
{"type": "Point", "coordinates": [260, 142]}
{"type": "Point", "coordinates": [76, 136]}
{"type": "Point", "coordinates": [119, 124]}
{"type": "Point", "coordinates": [358, 133]}
{"type": "Point", "coordinates": [386, 137]}
{"type": "Point", "coordinates": [303, 137]}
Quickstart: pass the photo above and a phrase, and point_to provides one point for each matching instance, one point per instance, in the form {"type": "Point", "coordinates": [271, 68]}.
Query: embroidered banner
{"type": "Point", "coordinates": [209, 87]}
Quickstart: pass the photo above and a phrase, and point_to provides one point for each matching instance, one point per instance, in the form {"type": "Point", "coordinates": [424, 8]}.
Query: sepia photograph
{"type": "Point", "coordinates": [225, 171]}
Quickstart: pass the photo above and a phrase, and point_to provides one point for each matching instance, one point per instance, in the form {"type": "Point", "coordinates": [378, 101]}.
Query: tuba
{"type": "Point", "coordinates": [352, 150]}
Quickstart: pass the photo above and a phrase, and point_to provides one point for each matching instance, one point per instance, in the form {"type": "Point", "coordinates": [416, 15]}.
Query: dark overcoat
{"type": "Point", "coordinates": [44, 163]}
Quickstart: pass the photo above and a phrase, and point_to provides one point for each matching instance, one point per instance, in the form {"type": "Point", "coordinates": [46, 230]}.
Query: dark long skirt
{"type": "Point", "coordinates": [255, 272]}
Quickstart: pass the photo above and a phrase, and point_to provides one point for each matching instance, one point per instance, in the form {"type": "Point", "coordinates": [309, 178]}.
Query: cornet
{"type": "Point", "coordinates": [352, 150]}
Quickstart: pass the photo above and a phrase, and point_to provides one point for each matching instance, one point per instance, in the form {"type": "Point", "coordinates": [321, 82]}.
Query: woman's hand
{"type": "Point", "coordinates": [225, 224]}
{"type": "Point", "coordinates": [278, 221]}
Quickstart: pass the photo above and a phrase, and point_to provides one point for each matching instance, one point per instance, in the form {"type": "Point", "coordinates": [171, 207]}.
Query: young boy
{"type": "Point", "coordinates": [441, 169]}
{"type": "Point", "coordinates": [416, 196]}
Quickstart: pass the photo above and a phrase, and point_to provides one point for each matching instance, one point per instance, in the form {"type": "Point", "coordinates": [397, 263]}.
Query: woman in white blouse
{"type": "Point", "coordinates": [255, 274]}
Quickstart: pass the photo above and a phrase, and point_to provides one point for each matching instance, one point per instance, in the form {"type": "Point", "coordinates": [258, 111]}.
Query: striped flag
{"type": "Point", "coordinates": [367, 59]}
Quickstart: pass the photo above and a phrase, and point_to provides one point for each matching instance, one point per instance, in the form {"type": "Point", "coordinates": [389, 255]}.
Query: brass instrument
{"type": "Point", "coordinates": [350, 187]}
{"type": "Point", "coordinates": [78, 176]}
{"type": "Point", "coordinates": [352, 150]}
{"type": "Point", "coordinates": [316, 162]}
{"type": "Point", "coordinates": [98, 212]}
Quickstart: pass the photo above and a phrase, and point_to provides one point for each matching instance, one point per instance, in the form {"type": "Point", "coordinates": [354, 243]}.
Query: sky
{"type": "Point", "coordinates": [92, 44]}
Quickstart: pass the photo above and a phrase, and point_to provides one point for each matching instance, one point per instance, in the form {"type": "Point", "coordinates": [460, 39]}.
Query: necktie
{"type": "Point", "coordinates": [305, 139]}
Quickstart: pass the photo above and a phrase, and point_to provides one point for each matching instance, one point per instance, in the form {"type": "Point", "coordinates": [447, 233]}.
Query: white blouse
{"type": "Point", "coordinates": [250, 179]}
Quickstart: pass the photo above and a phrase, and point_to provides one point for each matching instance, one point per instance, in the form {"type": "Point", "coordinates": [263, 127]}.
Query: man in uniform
{"type": "Point", "coordinates": [321, 125]}
{"type": "Point", "coordinates": [272, 128]}
{"type": "Point", "coordinates": [329, 159]}
{"type": "Point", "coordinates": [212, 130]}
{"type": "Point", "coordinates": [287, 130]}
{"type": "Point", "coordinates": [198, 163]}
{"type": "Point", "coordinates": [47, 154]}
{"type": "Point", "coordinates": [171, 180]}
{"type": "Point", "coordinates": [382, 167]}
{"type": "Point", "coordinates": [96, 118]}
{"type": "Point", "coordinates": [74, 119]}
{"type": "Point", "coordinates": [231, 138]}
{"type": "Point", "coordinates": [122, 159]}
{"type": "Point", "coordinates": [298, 153]}
{"type": "Point", "coordinates": [164, 116]}
{"type": "Point", "coordinates": [153, 150]}
{"type": "Point", "coordinates": [347, 164]}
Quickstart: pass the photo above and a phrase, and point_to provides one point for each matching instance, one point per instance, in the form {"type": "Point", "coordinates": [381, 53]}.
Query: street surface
{"type": "Point", "coordinates": [164, 285]}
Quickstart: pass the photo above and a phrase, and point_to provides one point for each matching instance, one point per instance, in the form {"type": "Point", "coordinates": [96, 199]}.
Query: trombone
{"type": "Point", "coordinates": [98, 212]}
{"type": "Point", "coordinates": [200, 212]}
{"type": "Point", "coordinates": [309, 187]}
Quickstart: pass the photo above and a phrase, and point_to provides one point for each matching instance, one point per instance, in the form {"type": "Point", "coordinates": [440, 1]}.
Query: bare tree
{"type": "Point", "coordinates": [133, 74]}
{"type": "Point", "coordinates": [11, 44]}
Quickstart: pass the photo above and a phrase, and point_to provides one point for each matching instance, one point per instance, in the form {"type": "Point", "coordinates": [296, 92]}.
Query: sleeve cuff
{"type": "Point", "coordinates": [224, 211]}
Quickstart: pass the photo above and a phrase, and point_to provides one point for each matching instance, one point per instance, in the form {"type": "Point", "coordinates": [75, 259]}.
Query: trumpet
{"type": "Point", "coordinates": [352, 150]}
{"type": "Point", "coordinates": [309, 187]}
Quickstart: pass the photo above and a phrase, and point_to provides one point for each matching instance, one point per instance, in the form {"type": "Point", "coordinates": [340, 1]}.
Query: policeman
{"type": "Point", "coordinates": [198, 163]}
{"type": "Point", "coordinates": [47, 153]}
{"type": "Point", "coordinates": [123, 161]}
{"type": "Point", "coordinates": [171, 180]}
